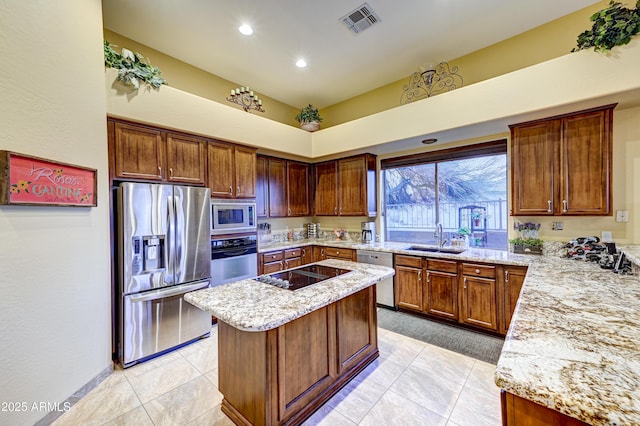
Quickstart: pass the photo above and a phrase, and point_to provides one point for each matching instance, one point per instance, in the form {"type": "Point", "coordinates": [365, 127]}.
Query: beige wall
{"type": "Point", "coordinates": [540, 44]}
{"type": "Point", "coordinates": [188, 78]}
{"type": "Point", "coordinates": [55, 292]}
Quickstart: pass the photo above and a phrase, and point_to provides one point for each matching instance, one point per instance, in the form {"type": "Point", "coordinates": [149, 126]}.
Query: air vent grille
{"type": "Point", "coordinates": [360, 19]}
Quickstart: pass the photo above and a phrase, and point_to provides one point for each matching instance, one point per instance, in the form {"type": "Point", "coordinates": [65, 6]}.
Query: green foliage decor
{"type": "Point", "coordinates": [308, 114]}
{"type": "Point", "coordinates": [131, 68]}
{"type": "Point", "coordinates": [529, 242]}
{"type": "Point", "coordinates": [612, 26]}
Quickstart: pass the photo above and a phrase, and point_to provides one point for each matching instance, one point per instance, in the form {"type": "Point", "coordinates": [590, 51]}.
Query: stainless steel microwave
{"type": "Point", "coordinates": [233, 216]}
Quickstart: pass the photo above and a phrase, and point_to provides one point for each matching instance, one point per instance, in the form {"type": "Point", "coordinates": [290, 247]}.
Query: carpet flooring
{"type": "Point", "coordinates": [467, 342]}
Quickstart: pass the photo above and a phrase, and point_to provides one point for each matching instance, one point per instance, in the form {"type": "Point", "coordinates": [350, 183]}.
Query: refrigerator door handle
{"type": "Point", "coordinates": [173, 291]}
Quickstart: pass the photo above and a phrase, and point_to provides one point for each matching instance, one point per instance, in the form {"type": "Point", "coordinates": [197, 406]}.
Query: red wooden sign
{"type": "Point", "coordinates": [36, 181]}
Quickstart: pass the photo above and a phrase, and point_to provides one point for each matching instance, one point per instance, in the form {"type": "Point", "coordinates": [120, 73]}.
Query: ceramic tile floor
{"type": "Point", "coordinates": [411, 383]}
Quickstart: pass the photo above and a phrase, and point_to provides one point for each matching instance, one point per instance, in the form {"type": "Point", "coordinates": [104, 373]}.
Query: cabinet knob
{"type": "Point", "coordinates": [337, 252]}
{"type": "Point", "coordinates": [565, 206]}
{"type": "Point", "coordinates": [477, 271]}
{"type": "Point", "coordinates": [274, 256]}
{"type": "Point", "coordinates": [549, 209]}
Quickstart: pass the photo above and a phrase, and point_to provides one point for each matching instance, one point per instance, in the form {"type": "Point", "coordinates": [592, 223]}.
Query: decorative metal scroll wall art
{"type": "Point", "coordinates": [430, 82]}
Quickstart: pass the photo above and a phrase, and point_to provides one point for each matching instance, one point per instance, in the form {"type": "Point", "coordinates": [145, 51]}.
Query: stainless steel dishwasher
{"type": "Point", "coordinates": [384, 288]}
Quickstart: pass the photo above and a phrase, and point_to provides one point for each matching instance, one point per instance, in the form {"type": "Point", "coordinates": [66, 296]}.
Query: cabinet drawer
{"type": "Point", "coordinates": [338, 252]}
{"type": "Point", "coordinates": [269, 268]}
{"type": "Point", "coordinates": [295, 252]}
{"type": "Point", "coordinates": [442, 265]}
{"type": "Point", "coordinates": [484, 271]}
{"type": "Point", "coordinates": [412, 261]}
{"type": "Point", "coordinates": [272, 256]}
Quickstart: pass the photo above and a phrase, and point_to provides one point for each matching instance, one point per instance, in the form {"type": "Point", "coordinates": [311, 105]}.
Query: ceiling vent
{"type": "Point", "coordinates": [360, 19]}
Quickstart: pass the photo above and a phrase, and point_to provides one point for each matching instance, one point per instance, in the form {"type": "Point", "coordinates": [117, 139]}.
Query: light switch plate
{"type": "Point", "coordinates": [607, 237]}
{"type": "Point", "coordinates": [622, 215]}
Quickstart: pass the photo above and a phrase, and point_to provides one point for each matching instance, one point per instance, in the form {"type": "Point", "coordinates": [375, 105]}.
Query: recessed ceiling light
{"type": "Point", "coordinates": [245, 29]}
{"type": "Point", "coordinates": [301, 63]}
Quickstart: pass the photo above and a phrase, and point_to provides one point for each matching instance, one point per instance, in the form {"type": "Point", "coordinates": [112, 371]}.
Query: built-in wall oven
{"type": "Point", "coordinates": [233, 259]}
{"type": "Point", "coordinates": [233, 216]}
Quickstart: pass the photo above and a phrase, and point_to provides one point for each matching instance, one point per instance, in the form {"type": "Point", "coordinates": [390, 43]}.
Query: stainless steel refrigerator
{"type": "Point", "coordinates": [164, 244]}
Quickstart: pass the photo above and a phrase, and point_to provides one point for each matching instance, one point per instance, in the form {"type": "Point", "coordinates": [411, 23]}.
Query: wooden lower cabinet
{"type": "Point", "coordinates": [518, 411]}
{"type": "Point", "coordinates": [340, 253]}
{"type": "Point", "coordinates": [512, 280]}
{"type": "Point", "coordinates": [479, 307]}
{"type": "Point", "coordinates": [279, 260]}
{"type": "Point", "coordinates": [477, 295]}
{"type": "Point", "coordinates": [408, 281]}
{"type": "Point", "coordinates": [281, 376]}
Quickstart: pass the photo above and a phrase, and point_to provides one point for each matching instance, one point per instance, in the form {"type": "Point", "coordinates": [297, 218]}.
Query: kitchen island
{"type": "Point", "coordinates": [283, 353]}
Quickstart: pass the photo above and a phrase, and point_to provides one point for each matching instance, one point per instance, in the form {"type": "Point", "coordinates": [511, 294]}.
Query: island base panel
{"type": "Point", "coordinates": [281, 376]}
{"type": "Point", "coordinates": [517, 411]}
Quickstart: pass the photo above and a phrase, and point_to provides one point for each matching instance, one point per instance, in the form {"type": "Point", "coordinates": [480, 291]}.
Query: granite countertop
{"type": "Point", "coordinates": [251, 305]}
{"type": "Point", "coordinates": [470, 254]}
{"type": "Point", "coordinates": [574, 342]}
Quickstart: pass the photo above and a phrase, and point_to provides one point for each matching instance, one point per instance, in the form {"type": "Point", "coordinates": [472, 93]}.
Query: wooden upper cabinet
{"type": "Point", "coordinates": [562, 165]}
{"type": "Point", "coordinates": [277, 187]}
{"type": "Point", "coordinates": [585, 163]}
{"type": "Point", "coordinates": [138, 152]}
{"type": "Point", "coordinates": [186, 159]}
{"type": "Point", "coordinates": [326, 188]}
{"type": "Point", "coordinates": [245, 172]}
{"type": "Point", "coordinates": [220, 176]}
{"type": "Point", "coordinates": [262, 187]}
{"type": "Point", "coordinates": [352, 186]}
{"type": "Point", "coordinates": [298, 189]}
{"type": "Point", "coordinates": [232, 170]}
{"type": "Point", "coordinates": [346, 187]}
{"type": "Point", "coordinates": [532, 168]}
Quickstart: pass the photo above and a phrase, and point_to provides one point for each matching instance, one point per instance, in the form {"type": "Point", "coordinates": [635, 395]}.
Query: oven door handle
{"type": "Point", "coordinates": [162, 294]}
{"type": "Point", "coordinates": [224, 254]}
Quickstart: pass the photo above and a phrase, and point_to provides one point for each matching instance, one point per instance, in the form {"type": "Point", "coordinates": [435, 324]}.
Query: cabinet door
{"type": "Point", "coordinates": [532, 168]}
{"type": "Point", "coordinates": [294, 262]}
{"type": "Point", "coordinates": [277, 187]}
{"type": "Point", "coordinates": [408, 282]}
{"type": "Point", "coordinates": [139, 152]}
{"type": "Point", "coordinates": [326, 185]}
{"type": "Point", "coordinates": [585, 162]}
{"type": "Point", "coordinates": [479, 302]}
{"type": "Point", "coordinates": [352, 187]}
{"type": "Point", "coordinates": [318, 253]}
{"type": "Point", "coordinates": [513, 279]}
{"type": "Point", "coordinates": [307, 255]}
{"type": "Point", "coordinates": [441, 294]}
{"type": "Point", "coordinates": [245, 172]}
{"type": "Point", "coordinates": [356, 328]}
{"type": "Point", "coordinates": [298, 189]}
{"type": "Point", "coordinates": [220, 176]}
{"type": "Point", "coordinates": [186, 158]}
{"type": "Point", "coordinates": [262, 188]}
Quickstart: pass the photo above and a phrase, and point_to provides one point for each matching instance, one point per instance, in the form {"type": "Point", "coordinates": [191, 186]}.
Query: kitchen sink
{"type": "Point", "coordinates": [430, 249]}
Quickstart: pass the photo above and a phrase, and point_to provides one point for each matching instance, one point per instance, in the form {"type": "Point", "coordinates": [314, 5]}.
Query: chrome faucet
{"type": "Point", "coordinates": [440, 242]}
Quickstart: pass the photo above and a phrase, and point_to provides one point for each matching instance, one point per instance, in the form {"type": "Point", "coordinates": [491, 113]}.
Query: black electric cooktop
{"type": "Point", "coordinates": [303, 276]}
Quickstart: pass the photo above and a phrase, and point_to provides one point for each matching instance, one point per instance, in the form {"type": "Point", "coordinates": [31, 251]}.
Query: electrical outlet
{"type": "Point", "coordinates": [607, 237]}
{"type": "Point", "coordinates": [622, 215]}
{"type": "Point", "coordinates": [557, 226]}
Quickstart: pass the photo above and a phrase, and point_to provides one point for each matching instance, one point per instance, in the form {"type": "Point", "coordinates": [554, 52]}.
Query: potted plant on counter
{"type": "Point", "coordinates": [309, 118]}
{"type": "Point", "coordinates": [528, 241]}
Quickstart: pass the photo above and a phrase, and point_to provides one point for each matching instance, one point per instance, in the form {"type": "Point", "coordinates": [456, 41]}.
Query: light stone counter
{"type": "Point", "coordinates": [251, 305]}
{"type": "Point", "coordinates": [471, 254]}
{"type": "Point", "coordinates": [574, 342]}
